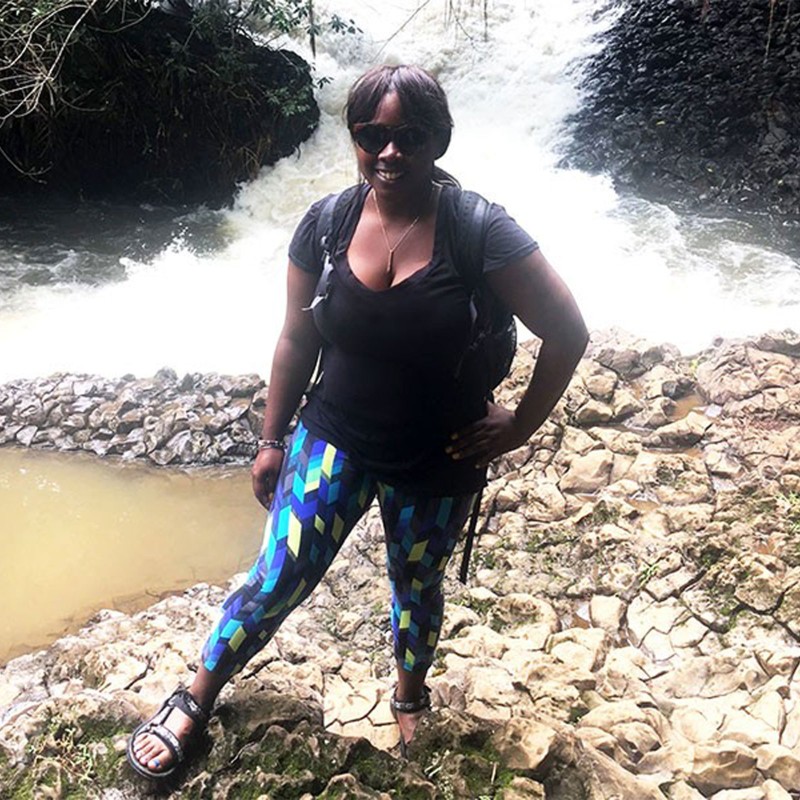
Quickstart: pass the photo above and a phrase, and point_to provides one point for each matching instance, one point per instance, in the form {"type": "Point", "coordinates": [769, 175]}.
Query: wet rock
{"type": "Point", "coordinates": [690, 137]}
{"type": "Point", "coordinates": [143, 418]}
{"type": "Point", "coordinates": [25, 435]}
{"type": "Point", "coordinates": [739, 371]}
{"type": "Point", "coordinates": [625, 405]}
{"type": "Point", "coordinates": [683, 433]}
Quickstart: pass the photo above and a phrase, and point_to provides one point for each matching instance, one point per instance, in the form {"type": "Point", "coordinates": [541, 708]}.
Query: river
{"type": "Point", "coordinates": [111, 289]}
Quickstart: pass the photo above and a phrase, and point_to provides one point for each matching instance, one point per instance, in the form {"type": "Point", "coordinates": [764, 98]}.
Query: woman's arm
{"type": "Point", "coordinates": [533, 292]}
{"type": "Point", "coordinates": [295, 356]}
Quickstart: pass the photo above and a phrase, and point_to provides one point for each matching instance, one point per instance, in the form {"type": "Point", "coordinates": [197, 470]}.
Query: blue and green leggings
{"type": "Point", "coordinates": [319, 497]}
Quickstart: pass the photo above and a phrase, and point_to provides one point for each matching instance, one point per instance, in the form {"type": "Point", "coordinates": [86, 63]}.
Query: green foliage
{"type": "Point", "coordinates": [577, 713]}
{"type": "Point", "coordinates": [67, 759]}
{"type": "Point", "coordinates": [647, 572]}
{"type": "Point", "coordinates": [101, 91]}
{"type": "Point", "coordinates": [603, 513]}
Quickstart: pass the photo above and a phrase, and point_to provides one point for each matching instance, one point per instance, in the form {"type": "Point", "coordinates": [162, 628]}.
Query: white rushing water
{"type": "Point", "coordinates": [631, 264]}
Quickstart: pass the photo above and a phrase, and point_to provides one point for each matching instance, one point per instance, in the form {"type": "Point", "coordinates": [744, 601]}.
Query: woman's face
{"type": "Point", "coordinates": [391, 171]}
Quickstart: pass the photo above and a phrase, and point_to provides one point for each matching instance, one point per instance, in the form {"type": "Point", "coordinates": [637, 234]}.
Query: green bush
{"type": "Point", "coordinates": [113, 97]}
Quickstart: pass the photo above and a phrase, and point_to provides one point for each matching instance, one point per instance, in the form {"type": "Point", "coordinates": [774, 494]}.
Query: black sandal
{"type": "Point", "coordinates": [422, 703]}
{"type": "Point", "coordinates": [183, 701]}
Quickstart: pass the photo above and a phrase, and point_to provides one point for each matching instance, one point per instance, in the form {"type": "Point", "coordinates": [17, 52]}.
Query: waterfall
{"type": "Point", "coordinates": [213, 298]}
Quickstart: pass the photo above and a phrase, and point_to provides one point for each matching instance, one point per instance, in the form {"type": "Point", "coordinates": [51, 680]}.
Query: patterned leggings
{"type": "Point", "coordinates": [319, 497]}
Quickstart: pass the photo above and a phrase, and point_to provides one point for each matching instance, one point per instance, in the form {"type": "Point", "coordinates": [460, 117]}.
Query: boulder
{"type": "Point", "coordinates": [524, 744]}
{"type": "Point", "coordinates": [727, 765]}
{"type": "Point", "coordinates": [780, 764]}
{"type": "Point", "coordinates": [589, 473]}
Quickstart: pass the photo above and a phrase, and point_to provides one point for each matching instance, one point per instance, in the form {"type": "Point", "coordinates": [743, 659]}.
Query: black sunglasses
{"type": "Point", "coordinates": [372, 138]}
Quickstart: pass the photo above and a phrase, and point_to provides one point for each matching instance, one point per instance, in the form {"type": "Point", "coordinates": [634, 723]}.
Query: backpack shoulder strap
{"type": "Point", "coordinates": [331, 216]}
{"type": "Point", "coordinates": [325, 221]}
{"type": "Point", "coordinates": [470, 236]}
{"type": "Point", "coordinates": [329, 222]}
{"type": "Point", "coordinates": [463, 572]}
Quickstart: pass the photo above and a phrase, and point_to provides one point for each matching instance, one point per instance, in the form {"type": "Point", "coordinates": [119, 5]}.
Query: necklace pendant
{"type": "Point", "coordinates": [390, 259]}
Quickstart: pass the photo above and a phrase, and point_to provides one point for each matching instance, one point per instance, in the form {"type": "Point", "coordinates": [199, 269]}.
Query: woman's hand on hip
{"type": "Point", "coordinates": [264, 474]}
{"type": "Point", "coordinates": [487, 438]}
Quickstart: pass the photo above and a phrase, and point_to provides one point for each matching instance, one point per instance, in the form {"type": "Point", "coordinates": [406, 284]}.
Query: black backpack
{"type": "Point", "coordinates": [494, 332]}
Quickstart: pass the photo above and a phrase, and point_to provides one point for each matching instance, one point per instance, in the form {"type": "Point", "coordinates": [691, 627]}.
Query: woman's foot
{"type": "Point", "coordinates": [407, 723]}
{"type": "Point", "coordinates": [407, 714]}
{"type": "Point", "coordinates": [151, 752]}
{"type": "Point", "coordinates": [160, 744]}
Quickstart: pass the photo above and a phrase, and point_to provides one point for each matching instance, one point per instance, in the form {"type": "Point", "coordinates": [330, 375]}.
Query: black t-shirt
{"type": "Point", "coordinates": [389, 395]}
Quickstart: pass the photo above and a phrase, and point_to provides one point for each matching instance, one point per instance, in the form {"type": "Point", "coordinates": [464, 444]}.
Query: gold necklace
{"type": "Point", "coordinates": [390, 258]}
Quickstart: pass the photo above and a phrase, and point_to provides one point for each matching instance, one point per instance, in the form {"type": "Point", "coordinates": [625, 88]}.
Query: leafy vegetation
{"type": "Point", "coordinates": [106, 96]}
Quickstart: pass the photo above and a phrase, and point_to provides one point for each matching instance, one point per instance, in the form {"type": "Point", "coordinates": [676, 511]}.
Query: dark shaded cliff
{"type": "Point", "coordinates": [699, 103]}
{"type": "Point", "coordinates": [143, 105]}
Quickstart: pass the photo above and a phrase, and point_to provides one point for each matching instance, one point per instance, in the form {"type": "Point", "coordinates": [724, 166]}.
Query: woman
{"type": "Point", "coordinates": [394, 416]}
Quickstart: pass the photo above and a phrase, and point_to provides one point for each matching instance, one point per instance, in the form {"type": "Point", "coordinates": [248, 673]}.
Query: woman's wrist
{"type": "Point", "coordinates": [271, 444]}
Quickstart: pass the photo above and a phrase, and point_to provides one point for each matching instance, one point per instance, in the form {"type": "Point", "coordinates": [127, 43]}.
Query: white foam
{"type": "Point", "coordinates": [631, 264]}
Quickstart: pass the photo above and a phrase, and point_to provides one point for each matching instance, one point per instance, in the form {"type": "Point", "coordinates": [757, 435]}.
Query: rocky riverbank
{"type": "Point", "coordinates": [630, 630]}
{"type": "Point", "coordinates": [195, 420]}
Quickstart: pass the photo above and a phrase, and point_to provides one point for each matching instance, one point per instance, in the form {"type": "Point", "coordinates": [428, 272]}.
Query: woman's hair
{"type": "Point", "coordinates": [421, 97]}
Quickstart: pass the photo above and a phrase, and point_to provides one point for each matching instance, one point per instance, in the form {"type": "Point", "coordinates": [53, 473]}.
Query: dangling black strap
{"type": "Point", "coordinates": [473, 524]}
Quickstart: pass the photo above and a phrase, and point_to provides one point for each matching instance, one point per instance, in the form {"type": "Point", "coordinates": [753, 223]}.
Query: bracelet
{"type": "Point", "coordinates": [271, 444]}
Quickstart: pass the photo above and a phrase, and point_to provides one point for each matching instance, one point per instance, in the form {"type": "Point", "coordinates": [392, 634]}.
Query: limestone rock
{"type": "Point", "coordinates": [579, 647]}
{"type": "Point", "coordinates": [601, 384]}
{"type": "Point", "coordinates": [780, 764]}
{"type": "Point", "coordinates": [774, 791]}
{"type": "Point", "coordinates": [606, 780]}
{"type": "Point", "coordinates": [522, 789]}
{"type": "Point", "coordinates": [683, 563]}
{"type": "Point", "coordinates": [728, 765]}
{"type": "Point", "coordinates": [740, 726]}
{"type": "Point", "coordinates": [606, 611]}
{"type": "Point", "coordinates": [682, 791]}
{"type": "Point", "coordinates": [754, 793]}
{"type": "Point", "coordinates": [524, 743]}
{"type": "Point", "coordinates": [588, 473]}
{"type": "Point", "coordinates": [685, 432]}
{"type": "Point", "coordinates": [764, 581]}
{"type": "Point", "coordinates": [789, 611]}
{"type": "Point", "coordinates": [654, 414]}
{"type": "Point", "coordinates": [625, 405]}
{"type": "Point", "coordinates": [476, 641]}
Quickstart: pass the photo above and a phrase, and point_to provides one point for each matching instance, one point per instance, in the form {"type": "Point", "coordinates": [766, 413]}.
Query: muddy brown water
{"type": "Point", "coordinates": [78, 534]}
